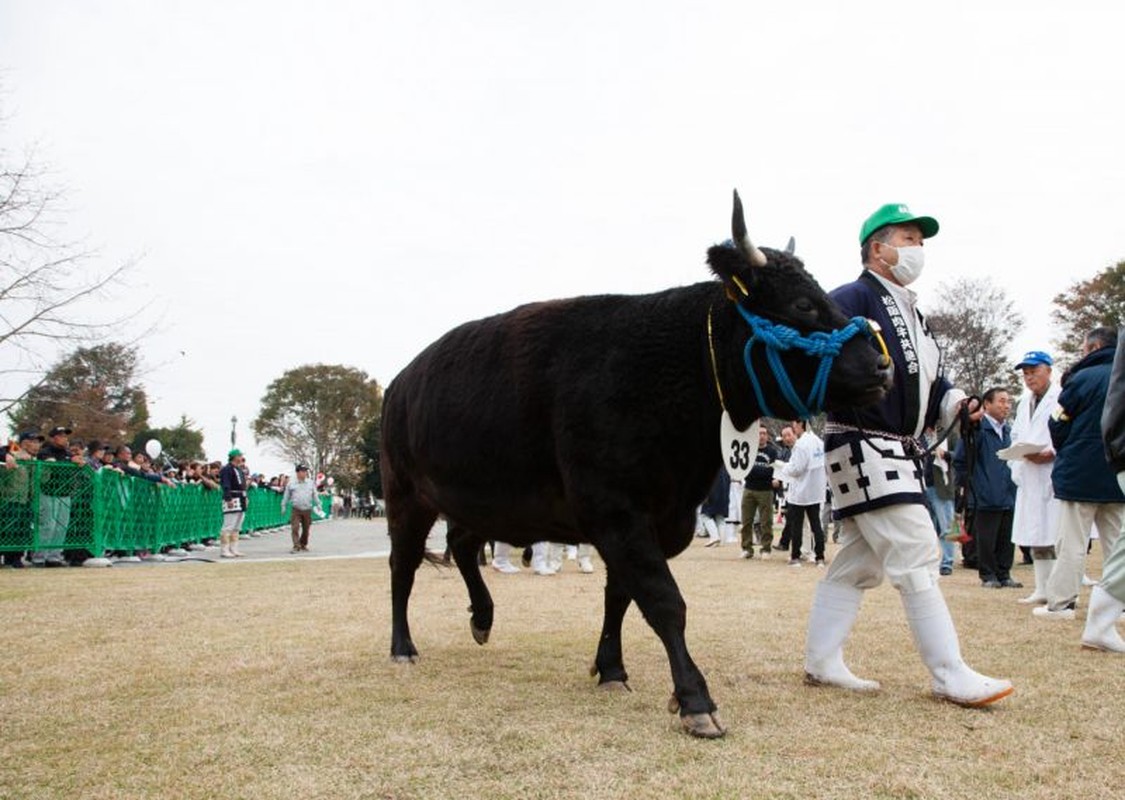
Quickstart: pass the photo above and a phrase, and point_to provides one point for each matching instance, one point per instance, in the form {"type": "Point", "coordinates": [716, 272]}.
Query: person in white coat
{"type": "Point", "coordinates": [804, 472]}
{"type": "Point", "coordinates": [1035, 523]}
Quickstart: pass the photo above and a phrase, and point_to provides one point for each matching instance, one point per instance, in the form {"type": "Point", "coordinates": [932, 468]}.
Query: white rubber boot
{"type": "Point", "coordinates": [234, 551]}
{"type": "Point", "coordinates": [833, 614]}
{"type": "Point", "coordinates": [936, 640]}
{"type": "Point", "coordinates": [585, 564]}
{"type": "Point", "coordinates": [224, 540]}
{"type": "Point", "coordinates": [539, 559]}
{"type": "Point", "coordinates": [1101, 623]}
{"type": "Point", "coordinates": [1043, 569]}
{"type": "Point", "coordinates": [502, 559]}
{"type": "Point", "coordinates": [555, 555]}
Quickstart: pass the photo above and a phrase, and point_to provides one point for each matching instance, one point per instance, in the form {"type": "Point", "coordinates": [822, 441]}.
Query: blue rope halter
{"type": "Point", "coordinates": [777, 338]}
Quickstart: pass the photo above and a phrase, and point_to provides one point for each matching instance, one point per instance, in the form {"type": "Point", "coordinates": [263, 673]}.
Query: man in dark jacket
{"type": "Point", "coordinates": [872, 458]}
{"type": "Point", "coordinates": [757, 496]}
{"type": "Point", "coordinates": [56, 487]}
{"type": "Point", "coordinates": [1107, 600]}
{"type": "Point", "coordinates": [1082, 481]}
{"type": "Point", "coordinates": [991, 500]}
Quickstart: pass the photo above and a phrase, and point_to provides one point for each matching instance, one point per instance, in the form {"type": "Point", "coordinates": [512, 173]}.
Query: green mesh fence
{"type": "Point", "coordinates": [49, 505]}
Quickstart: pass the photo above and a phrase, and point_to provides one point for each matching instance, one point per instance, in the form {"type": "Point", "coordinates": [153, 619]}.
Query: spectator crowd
{"type": "Point", "coordinates": [54, 508]}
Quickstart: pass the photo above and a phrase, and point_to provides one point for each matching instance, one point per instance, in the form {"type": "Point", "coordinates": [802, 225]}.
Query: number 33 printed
{"type": "Point", "coordinates": [740, 448]}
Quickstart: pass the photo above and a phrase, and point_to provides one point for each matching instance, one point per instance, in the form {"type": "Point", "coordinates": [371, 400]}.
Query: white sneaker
{"type": "Point", "coordinates": [544, 571]}
{"type": "Point", "coordinates": [795, 562]}
{"type": "Point", "coordinates": [747, 554]}
{"type": "Point", "coordinates": [507, 568]}
{"type": "Point", "coordinates": [764, 555]}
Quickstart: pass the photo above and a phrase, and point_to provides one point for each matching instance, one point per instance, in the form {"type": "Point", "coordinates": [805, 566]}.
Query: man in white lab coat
{"type": "Point", "coordinates": [1035, 524]}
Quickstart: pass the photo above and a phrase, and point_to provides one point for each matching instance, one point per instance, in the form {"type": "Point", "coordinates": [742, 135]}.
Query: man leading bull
{"type": "Point", "coordinates": [874, 465]}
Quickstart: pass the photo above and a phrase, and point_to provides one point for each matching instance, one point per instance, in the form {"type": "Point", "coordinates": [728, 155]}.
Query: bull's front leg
{"type": "Point", "coordinates": [646, 577]}
{"type": "Point", "coordinates": [609, 664]}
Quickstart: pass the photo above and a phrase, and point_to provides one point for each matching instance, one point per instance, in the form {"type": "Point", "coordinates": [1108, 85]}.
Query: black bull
{"type": "Point", "coordinates": [595, 419]}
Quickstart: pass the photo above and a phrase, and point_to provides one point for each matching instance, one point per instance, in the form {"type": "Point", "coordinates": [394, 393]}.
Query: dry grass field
{"type": "Point", "coordinates": [273, 680]}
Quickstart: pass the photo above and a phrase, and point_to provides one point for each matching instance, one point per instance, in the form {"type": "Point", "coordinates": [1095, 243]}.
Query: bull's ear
{"type": "Point", "coordinates": [740, 236]}
{"type": "Point", "coordinates": [730, 266]}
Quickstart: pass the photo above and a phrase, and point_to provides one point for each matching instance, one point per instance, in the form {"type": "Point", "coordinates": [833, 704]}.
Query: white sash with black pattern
{"type": "Point", "coordinates": [867, 470]}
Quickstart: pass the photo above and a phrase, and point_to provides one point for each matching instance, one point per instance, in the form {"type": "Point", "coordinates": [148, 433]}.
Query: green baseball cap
{"type": "Point", "coordinates": [896, 214]}
{"type": "Point", "coordinates": [235, 453]}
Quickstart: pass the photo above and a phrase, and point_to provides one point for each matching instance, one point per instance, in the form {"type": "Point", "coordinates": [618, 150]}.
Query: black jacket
{"type": "Point", "coordinates": [1113, 414]}
{"type": "Point", "coordinates": [760, 478]}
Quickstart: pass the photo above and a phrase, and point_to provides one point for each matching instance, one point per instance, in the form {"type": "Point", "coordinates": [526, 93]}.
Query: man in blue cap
{"type": "Point", "coordinates": [875, 467]}
{"type": "Point", "coordinates": [1035, 522]}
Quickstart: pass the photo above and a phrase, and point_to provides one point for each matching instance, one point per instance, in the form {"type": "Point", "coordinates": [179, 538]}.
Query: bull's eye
{"type": "Point", "coordinates": [804, 306]}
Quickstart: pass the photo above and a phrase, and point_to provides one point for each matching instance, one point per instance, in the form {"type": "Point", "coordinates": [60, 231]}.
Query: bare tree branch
{"type": "Point", "coordinates": [46, 284]}
{"type": "Point", "coordinates": [975, 322]}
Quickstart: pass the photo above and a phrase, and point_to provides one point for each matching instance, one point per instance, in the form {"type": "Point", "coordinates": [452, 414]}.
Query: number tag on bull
{"type": "Point", "coordinates": [740, 448]}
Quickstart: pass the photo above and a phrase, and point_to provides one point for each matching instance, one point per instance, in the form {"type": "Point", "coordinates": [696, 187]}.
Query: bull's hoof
{"type": "Point", "coordinates": [404, 659]}
{"type": "Point", "coordinates": [703, 726]}
{"type": "Point", "coordinates": [480, 635]}
{"type": "Point", "coordinates": [614, 686]}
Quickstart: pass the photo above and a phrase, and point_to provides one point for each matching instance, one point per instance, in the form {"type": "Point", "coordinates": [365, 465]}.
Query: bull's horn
{"type": "Point", "coordinates": [791, 248]}
{"type": "Point", "coordinates": [741, 240]}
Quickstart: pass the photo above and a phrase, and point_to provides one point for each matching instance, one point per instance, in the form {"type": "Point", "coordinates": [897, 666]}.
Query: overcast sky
{"type": "Point", "coordinates": [342, 182]}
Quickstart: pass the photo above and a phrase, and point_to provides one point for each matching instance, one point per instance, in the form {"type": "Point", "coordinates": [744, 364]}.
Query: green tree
{"type": "Point", "coordinates": [93, 390]}
{"type": "Point", "coordinates": [1088, 304]}
{"type": "Point", "coordinates": [181, 443]}
{"type": "Point", "coordinates": [315, 414]}
{"type": "Point", "coordinates": [370, 448]}
{"type": "Point", "coordinates": [975, 323]}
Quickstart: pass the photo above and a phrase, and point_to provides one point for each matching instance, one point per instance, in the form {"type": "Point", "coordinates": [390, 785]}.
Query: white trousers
{"type": "Point", "coordinates": [1075, 520]}
{"type": "Point", "coordinates": [896, 542]}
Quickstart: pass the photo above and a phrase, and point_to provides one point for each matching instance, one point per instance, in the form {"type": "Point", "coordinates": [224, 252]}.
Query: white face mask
{"type": "Point", "coordinates": [911, 259]}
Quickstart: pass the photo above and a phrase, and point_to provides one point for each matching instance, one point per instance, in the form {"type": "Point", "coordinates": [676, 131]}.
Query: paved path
{"type": "Point", "coordinates": [331, 538]}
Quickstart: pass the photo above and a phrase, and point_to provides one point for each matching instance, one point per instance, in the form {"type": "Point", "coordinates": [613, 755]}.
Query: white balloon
{"type": "Point", "coordinates": [153, 448]}
{"type": "Point", "coordinates": [330, 481]}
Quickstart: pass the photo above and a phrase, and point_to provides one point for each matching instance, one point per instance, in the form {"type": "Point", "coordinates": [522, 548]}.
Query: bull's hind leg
{"type": "Point", "coordinates": [408, 523]}
{"type": "Point", "coordinates": [465, 548]}
{"type": "Point", "coordinates": [609, 664]}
